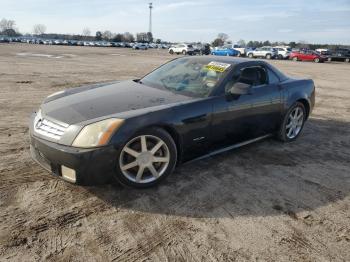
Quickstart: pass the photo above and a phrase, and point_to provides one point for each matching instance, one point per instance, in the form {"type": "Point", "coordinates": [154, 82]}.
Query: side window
{"type": "Point", "coordinates": [254, 76]}
{"type": "Point", "coordinates": [273, 79]}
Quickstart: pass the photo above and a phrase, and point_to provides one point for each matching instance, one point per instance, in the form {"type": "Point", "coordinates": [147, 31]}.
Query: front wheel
{"type": "Point", "coordinates": [347, 60]}
{"type": "Point", "coordinates": [250, 55]}
{"type": "Point", "coordinates": [295, 59]}
{"type": "Point", "coordinates": [316, 60]}
{"type": "Point", "coordinates": [293, 123]}
{"type": "Point", "coordinates": [171, 52]}
{"type": "Point", "coordinates": [146, 158]}
{"type": "Point", "coordinates": [184, 52]}
{"type": "Point", "coordinates": [268, 56]}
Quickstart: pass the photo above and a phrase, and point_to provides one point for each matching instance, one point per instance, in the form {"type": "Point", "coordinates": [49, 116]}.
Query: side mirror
{"type": "Point", "coordinates": [240, 88]}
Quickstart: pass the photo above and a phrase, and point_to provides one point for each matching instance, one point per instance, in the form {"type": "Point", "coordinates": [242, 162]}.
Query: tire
{"type": "Point", "coordinates": [227, 54]}
{"type": "Point", "coordinates": [316, 60]}
{"type": "Point", "coordinates": [347, 60]}
{"type": "Point", "coordinates": [183, 52]}
{"type": "Point", "coordinates": [239, 54]}
{"type": "Point", "coordinates": [295, 59]}
{"type": "Point", "coordinates": [284, 134]}
{"type": "Point", "coordinates": [280, 57]}
{"type": "Point", "coordinates": [134, 156]}
{"type": "Point", "coordinates": [250, 55]}
{"type": "Point", "coordinates": [329, 59]}
{"type": "Point", "coordinates": [268, 56]}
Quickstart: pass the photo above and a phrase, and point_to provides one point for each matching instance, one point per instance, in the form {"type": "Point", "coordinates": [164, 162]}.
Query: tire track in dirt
{"type": "Point", "coordinates": [147, 243]}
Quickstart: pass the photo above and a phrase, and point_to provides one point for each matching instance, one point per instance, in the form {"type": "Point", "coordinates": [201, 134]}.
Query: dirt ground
{"type": "Point", "coordinates": [265, 202]}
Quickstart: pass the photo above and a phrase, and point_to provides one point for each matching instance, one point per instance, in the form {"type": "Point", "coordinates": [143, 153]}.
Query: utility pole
{"type": "Point", "coordinates": [150, 17]}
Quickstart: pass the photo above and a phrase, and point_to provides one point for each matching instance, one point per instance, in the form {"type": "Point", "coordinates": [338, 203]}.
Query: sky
{"type": "Point", "coordinates": [313, 21]}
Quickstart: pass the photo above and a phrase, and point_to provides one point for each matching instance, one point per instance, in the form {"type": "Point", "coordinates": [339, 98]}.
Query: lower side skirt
{"type": "Point", "coordinates": [225, 149]}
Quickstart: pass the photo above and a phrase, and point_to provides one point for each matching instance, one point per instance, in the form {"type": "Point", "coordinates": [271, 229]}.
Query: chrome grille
{"type": "Point", "coordinates": [49, 129]}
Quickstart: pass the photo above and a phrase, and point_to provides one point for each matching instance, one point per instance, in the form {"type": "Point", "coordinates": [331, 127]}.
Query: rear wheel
{"type": "Point", "coordinates": [280, 57]}
{"type": "Point", "coordinates": [295, 59]}
{"type": "Point", "coordinates": [184, 52]}
{"type": "Point", "coordinates": [316, 60]}
{"type": "Point", "coordinates": [239, 54]}
{"type": "Point", "coordinates": [347, 60]}
{"type": "Point", "coordinates": [171, 51]}
{"type": "Point", "coordinates": [293, 123]}
{"type": "Point", "coordinates": [268, 56]}
{"type": "Point", "coordinates": [146, 159]}
{"type": "Point", "coordinates": [329, 59]}
{"type": "Point", "coordinates": [250, 55]}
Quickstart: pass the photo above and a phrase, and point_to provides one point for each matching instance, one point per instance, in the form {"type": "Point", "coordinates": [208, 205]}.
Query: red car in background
{"type": "Point", "coordinates": [308, 55]}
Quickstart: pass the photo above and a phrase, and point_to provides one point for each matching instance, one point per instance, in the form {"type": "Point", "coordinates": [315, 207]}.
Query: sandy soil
{"type": "Point", "coordinates": [265, 202]}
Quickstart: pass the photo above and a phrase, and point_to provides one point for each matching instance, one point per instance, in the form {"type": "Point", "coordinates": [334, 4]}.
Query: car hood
{"type": "Point", "coordinates": [85, 103]}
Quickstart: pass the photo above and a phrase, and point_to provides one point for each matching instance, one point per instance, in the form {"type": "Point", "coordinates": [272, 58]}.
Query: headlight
{"type": "Point", "coordinates": [97, 134]}
{"type": "Point", "coordinates": [37, 116]}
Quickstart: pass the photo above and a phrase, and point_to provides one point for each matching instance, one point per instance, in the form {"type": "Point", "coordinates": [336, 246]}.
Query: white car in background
{"type": "Point", "coordinates": [283, 52]}
{"type": "Point", "coordinates": [140, 46]}
{"type": "Point", "coordinates": [181, 49]}
{"type": "Point", "coordinates": [241, 50]}
{"type": "Point", "coordinates": [267, 52]}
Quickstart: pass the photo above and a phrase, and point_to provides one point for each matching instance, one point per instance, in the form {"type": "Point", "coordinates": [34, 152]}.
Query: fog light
{"type": "Point", "coordinates": [68, 174]}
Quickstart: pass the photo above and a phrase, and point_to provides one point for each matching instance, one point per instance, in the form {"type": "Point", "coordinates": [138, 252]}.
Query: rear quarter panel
{"type": "Point", "coordinates": [298, 89]}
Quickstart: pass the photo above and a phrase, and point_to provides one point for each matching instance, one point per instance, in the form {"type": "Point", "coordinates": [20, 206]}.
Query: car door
{"type": "Point", "coordinates": [308, 56]}
{"type": "Point", "coordinates": [237, 118]}
{"type": "Point", "coordinates": [305, 56]}
{"type": "Point", "coordinates": [257, 52]}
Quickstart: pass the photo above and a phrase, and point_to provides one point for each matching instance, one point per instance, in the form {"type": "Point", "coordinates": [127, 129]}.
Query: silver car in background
{"type": "Point", "coordinates": [267, 52]}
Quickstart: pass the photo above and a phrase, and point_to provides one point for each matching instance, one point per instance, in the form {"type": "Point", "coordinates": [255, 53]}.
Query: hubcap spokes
{"type": "Point", "coordinates": [144, 159]}
{"type": "Point", "coordinates": [295, 122]}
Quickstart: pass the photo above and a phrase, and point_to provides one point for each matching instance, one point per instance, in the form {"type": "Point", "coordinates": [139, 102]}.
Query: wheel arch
{"type": "Point", "coordinates": [174, 135]}
{"type": "Point", "coordinates": [306, 104]}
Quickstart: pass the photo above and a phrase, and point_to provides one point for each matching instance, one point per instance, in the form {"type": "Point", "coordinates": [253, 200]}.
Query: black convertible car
{"type": "Point", "coordinates": [137, 131]}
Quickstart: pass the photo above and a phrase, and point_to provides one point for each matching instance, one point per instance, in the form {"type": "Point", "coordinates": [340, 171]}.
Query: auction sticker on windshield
{"type": "Point", "coordinates": [217, 66]}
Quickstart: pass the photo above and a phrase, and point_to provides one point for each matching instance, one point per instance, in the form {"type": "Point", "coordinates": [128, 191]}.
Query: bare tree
{"type": "Point", "coordinates": [7, 24]}
{"type": "Point", "coordinates": [128, 37]}
{"type": "Point", "coordinates": [39, 29]}
{"type": "Point", "coordinates": [86, 32]}
{"type": "Point", "coordinates": [106, 35]}
{"type": "Point", "coordinates": [223, 37]}
{"type": "Point", "coordinates": [241, 42]}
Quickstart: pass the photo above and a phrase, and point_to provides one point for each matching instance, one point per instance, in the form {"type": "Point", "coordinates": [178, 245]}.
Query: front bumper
{"type": "Point", "coordinates": [91, 166]}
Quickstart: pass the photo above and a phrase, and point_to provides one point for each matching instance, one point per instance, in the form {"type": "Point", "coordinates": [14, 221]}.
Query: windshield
{"type": "Point", "coordinates": [193, 77]}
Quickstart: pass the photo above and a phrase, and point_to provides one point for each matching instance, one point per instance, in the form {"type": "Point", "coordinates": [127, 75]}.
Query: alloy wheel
{"type": "Point", "coordinates": [295, 122]}
{"type": "Point", "coordinates": [144, 159]}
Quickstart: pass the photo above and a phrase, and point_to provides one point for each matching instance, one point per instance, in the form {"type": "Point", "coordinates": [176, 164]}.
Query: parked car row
{"type": "Point", "coordinates": [143, 46]}
{"type": "Point", "coordinates": [285, 52]}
